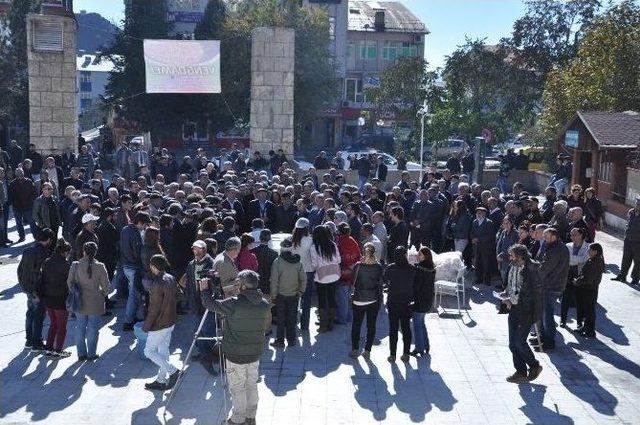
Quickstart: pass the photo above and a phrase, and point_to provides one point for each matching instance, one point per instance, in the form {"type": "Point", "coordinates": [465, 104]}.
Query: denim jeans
{"type": "Point", "coordinates": [521, 351]}
{"type": "Point", "coordinates": [343, 303]}
{"type": "Point", "coordinates": [34, 319]}
{"type": "Point", "coordinates": [460, 244]}
{"type": "Point", "coordinates": [22, 218]}
{"type": "Point", "coordinates": [87, 334]}
{"type": "Point", "coordinates": [501, 183]}
{"type": "Point", "coordinates": [4, 220]}
{"type": "Point", "coordinates": [141, 339]}
{"type": "Point", "coordinates": [208, 330]}
{"type": "Point", "coordinates": [561, 185]}
{"type": "Point", "coordinates": [420, 335]}
{"type": "Point", "coordinates": [361, 181]}
{"type": "Point", "coordinates": [307, 297]}
{"type": "Point", "coordinates": [548, 324]}
{"type": "Point", "coordinates": [133, 301]}
{"type": "Point", "coordinates": [157, 350]}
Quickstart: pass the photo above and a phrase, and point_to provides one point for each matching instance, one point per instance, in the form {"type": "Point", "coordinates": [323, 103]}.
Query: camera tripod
{"type": "Point", "coordinates": [222, 374]}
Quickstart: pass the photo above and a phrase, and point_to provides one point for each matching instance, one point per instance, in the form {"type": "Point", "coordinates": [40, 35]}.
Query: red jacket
{"type": "Point", "coordinates": [247, 260]}
{"type": "Point", "coordinates": [350, 255]}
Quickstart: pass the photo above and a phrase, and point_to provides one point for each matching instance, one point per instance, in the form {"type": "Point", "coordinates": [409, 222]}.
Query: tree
{"type": "Point", "coordinates": [549, 33]}
{"type": "Point", "coordinates": [316, 82]}
{"type": "Point", "coordinates": [125, 90]}
{"type": "Point", "coordinates": [211, 27]}
{"type": "Point", "coordinates": [403, 89]}
{"type": "Point", "coordinates": [604, 75]}
{"type": "Point", "coordinates": [486, 89]}
{"type": "Point", "coordinates": [14, 80]}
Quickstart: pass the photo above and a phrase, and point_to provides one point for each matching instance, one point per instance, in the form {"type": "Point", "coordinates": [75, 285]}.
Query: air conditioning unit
{"type": "Point", "coordinates": [417, 39]}
{"type": "Point", "coordinates": [346, 104]}
{"type": "Point", "coordinates": [48, 36]}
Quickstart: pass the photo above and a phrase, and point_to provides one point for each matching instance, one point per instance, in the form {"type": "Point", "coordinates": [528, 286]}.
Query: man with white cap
{"type": "Point", "coordinates": [196, 270]}
{"type": "Point", "coordinates": [87, 234]}
{"type": "Point", "coordinates": [631, 248]}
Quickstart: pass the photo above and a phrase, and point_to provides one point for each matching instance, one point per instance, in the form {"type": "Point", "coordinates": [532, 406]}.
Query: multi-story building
{"type": "Point", "coordinates": [377, 35]}
{"type": "Point", "coordinates": [92, 76]}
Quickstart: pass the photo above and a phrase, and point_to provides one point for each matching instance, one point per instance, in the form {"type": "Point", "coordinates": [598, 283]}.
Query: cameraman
{"type": "Point", "coordinates": [196, 270]}
{"type": "Point", "coordinates": [242, 341]}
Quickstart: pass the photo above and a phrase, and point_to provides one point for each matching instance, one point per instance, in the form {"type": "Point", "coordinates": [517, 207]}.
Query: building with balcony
{"type": "Point", "coordinates": [378, 33]}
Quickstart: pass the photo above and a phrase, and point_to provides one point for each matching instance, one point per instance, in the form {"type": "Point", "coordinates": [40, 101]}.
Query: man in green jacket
{"type": "Point", "coordinates": [242, 341]}
{"type": "Point", "coordinates": [288, 282]}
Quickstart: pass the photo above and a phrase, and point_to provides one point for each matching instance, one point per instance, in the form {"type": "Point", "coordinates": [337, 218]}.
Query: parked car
{"type": "Point", "coordinates": [389, 160]}
{"type": "Point", "coordinates": [444, 149]}
{"type": "Point", "coordinates": [382, 142]}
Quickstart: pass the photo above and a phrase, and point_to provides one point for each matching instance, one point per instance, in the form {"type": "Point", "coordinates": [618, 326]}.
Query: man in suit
{"type": "Point", "coordinates": [483, 238]}
{"type": "Point", "coordinates": [285, 215]}
{"type": "Point", "coordinates": [262, 208]}
{"type": "Point", "coordinates": [381, 170]}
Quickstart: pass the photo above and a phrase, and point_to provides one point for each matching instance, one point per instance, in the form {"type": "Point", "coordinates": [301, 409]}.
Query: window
{"type": "Point", "coordinates": [408, 50]}
{"type": "Point", "coordinates": [605, 173]}
{"type": "Point", "coordinates": [353, 90]}
{"type": "Point", "coordinates": [390, 50]}
{"type": "Point", "coordinates": [368, 50]}
{"type": "Point", "coordinates": [350, 50]}
{"type": "Point", "coordinates": [85, 76]}
{"type": "Point", "coordinates": [85, 104]}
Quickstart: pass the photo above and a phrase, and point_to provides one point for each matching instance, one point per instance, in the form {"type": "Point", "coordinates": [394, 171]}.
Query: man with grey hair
{"type": "Point", "coordinates": [242, 340]}
{"type": "Point", "coordinates": [225, 265]}
{"type": "Point", "coordinates": [559, 220]}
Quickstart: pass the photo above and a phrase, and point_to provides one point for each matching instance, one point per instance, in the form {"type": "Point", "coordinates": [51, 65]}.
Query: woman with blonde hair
{"type": "Point", "coordinates": [366, 299]}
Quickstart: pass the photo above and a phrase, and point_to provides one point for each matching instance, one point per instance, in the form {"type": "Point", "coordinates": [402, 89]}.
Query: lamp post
{"type": "Point", "coordinates": [424, 112]}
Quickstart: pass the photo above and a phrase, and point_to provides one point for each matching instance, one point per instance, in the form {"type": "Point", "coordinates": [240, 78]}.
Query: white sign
{"type": "Point", "coordinates": [182, 66]}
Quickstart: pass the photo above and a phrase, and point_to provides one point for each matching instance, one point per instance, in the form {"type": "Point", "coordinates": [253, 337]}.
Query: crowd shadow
{"type": "Point", "coordinates": [609, 328]}
{"type": "Point", "coordinates": [9, 293]}
{"type": "Point", "coordinates": [65, 390]}
{"type": "Point", "coordinates": [580, 380]}
{"type": "Point", "coordinates": [411, 395]}
{"type": "Point", "coordinates": [536, 411]}
{"type": "Point", "coordinates": [603, 352]}
{"type": "Point", "coordinates": [612, 268]}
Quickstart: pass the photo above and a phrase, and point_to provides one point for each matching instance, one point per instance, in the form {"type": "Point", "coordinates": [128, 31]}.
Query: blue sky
{"type": "Point", "coordinates": [448, 20]}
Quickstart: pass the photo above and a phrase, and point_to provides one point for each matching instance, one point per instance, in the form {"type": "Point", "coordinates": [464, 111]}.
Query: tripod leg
{"type": "Point", "coordinates": [185, 362]}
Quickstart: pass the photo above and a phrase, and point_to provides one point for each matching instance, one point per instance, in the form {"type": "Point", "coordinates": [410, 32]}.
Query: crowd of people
{"type": "Point", "coordinates": [180, 240]}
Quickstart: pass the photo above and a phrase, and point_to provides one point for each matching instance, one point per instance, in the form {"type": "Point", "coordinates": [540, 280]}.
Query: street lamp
{"type": "Point", "coordinates": [423, 112]}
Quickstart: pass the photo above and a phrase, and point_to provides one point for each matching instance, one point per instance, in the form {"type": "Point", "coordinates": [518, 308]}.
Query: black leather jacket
{"type": "Point", "coordinates": [368, 284]}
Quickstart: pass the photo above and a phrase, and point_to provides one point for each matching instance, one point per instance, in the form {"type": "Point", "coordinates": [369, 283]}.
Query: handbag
{"type": "Point", "coordinates": [74, 299]}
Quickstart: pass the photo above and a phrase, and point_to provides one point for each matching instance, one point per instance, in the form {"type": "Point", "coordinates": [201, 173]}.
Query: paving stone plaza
{"type": "Point", "coordinates": [463, 381]}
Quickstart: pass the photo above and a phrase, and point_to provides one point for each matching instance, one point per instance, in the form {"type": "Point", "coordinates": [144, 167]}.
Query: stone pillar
{"type": "Point", "coordinates": [272, 65]}
{"type": "Point", "coordinates": [53, 118]}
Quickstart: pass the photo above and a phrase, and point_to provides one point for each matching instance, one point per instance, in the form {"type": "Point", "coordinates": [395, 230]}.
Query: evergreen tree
{"type": "Point", "coordinates": [14, 80]}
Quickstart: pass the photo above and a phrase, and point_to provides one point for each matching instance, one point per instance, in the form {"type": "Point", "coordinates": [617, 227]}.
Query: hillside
{"type": "Point", "coordinates": [94, 32]}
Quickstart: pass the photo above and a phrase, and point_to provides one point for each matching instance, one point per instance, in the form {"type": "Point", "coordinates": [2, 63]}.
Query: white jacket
{"type": "Point", "coordinates": [327, 271]}
{"type": "Point", "coordinates": [304, 251]}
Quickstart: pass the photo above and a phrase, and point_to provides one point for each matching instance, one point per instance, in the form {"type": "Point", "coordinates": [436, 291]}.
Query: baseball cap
{"type": "Point", "coordinates": [89, 217]}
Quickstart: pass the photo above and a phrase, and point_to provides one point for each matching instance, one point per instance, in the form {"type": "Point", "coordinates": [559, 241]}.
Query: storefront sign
{"type": "Point", "coordinates": [571, 138]}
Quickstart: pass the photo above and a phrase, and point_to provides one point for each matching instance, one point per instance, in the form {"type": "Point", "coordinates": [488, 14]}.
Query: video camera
{"type": "Point", "coordinates": [214, 282]}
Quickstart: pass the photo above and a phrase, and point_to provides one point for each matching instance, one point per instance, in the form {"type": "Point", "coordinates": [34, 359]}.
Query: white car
{"type": "Point", "coordinates": [390, 162]}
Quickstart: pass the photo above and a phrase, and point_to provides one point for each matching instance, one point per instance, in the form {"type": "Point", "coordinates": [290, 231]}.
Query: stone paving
{"type": "Point", "coordinates": [463, 381]}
